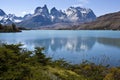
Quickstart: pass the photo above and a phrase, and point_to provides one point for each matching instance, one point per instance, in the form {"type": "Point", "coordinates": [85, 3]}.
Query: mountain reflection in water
{"type": "Point", "coordinates": [70, 44]}
{"type": "Point", "coordinates": [110, 41]}
{"type": "Point", "coordinates": [73, 46]}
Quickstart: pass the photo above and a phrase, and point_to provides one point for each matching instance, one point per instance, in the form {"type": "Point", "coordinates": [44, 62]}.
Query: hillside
{"type": "Point", "coordinates": [106, 22]}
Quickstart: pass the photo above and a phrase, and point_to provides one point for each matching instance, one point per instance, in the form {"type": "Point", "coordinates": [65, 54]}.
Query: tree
{"type": "Point", "coordinates": [41, 58]}
{"type": "Point", "coordinates": [1, 27]}
{"type": "Point", "coordinates": [14, 27]}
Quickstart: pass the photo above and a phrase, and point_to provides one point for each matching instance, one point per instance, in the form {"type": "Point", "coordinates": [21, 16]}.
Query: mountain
{"type": "Point", "coordinates": [106, 22]}
{"type": "Point", "coordinates": [78, 14]}
{"type": "Point", "coordinates": [39, 18]}
{"type": "Point", "coordinates": [57, 15]}
{"type": "Point", "coordinates": [27, 16]}
{"type": "Point", "coordinates": [9, 19]}
{"type": "Point", "coordinates": [14, 18]}
{"type": "Point", "coordinates": [42, 17]}
{"type": "Point", "coordinates": [43, 11]}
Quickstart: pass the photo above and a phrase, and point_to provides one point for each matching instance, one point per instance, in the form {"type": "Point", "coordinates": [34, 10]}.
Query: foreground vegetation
{"type": "Point", "coordinates": [11, 28]}
{"type": "Point", "coordinates": [17, 63]}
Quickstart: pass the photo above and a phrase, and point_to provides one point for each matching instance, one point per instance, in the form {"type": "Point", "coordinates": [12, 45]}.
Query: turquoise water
{"type": "Point", "coordinates": [101, 47]}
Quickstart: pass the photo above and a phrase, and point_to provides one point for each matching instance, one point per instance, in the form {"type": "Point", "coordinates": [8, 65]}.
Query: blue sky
{"type": "Point", "coordinates": [21, 7]}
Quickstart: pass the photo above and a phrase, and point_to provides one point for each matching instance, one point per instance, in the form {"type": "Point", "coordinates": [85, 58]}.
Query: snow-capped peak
{"type": "Point", "coordinates": [42, 11]}
{"type": "Point", "coordinates": [77, 14]}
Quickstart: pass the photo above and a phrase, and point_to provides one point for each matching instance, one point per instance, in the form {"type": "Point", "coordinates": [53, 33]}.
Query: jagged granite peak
{"type": "Point", "coordinates": [56, 12]}
{"type": "Point", "coordinates": [14, 18]}
{"type": "Point", "coordinates": [42, 11]}
{"type": "Point", "coordinates": [87, 14]}
{"type": "Point", "coordinates": [73, 14]}
{"type": "Point", "coordinates": [57, 15]}
{"type": "Point", "coordinates": [40, 17]}
{"type": "Point", "coordinates": [45, 7]}
{"type": "Point", "coordinates": [2, 13]}
{"type": "Point", "coordinates": [79, 14]}
{"type": "Point", "coordinates": [90, 16]}
{"type": "Point", "coordinates": [38, 10]}
{"type": "Point", "coordinates": [27, 16]}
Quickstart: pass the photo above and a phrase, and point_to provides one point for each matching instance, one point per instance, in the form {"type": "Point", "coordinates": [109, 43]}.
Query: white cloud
{"type": "Point", "coordinates": [24, 12]}
{"type": "Point", "coordinates": [27, 12]}
{"type": "Point", "coordinates": [81, 3]}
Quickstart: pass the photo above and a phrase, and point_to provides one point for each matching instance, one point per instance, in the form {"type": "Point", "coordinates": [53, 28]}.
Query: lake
{"type": "Point", "coordinates": [101, 47]}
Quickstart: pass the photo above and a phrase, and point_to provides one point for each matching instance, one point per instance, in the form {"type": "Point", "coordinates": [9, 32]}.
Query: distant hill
{"type": "Point", "coordinates": [106, 22]}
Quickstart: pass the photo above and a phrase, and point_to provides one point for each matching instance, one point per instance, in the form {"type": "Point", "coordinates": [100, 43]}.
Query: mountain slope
{"type": "Point", "coordinates": [105, 22]}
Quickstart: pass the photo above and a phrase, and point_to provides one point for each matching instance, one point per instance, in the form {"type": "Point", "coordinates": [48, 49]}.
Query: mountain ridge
{"type": "Point", "coordinates": [42, 17]}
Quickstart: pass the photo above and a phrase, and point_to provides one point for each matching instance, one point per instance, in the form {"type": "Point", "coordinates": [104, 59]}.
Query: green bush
{"type": "Point", "coordinates": [17, 63]}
